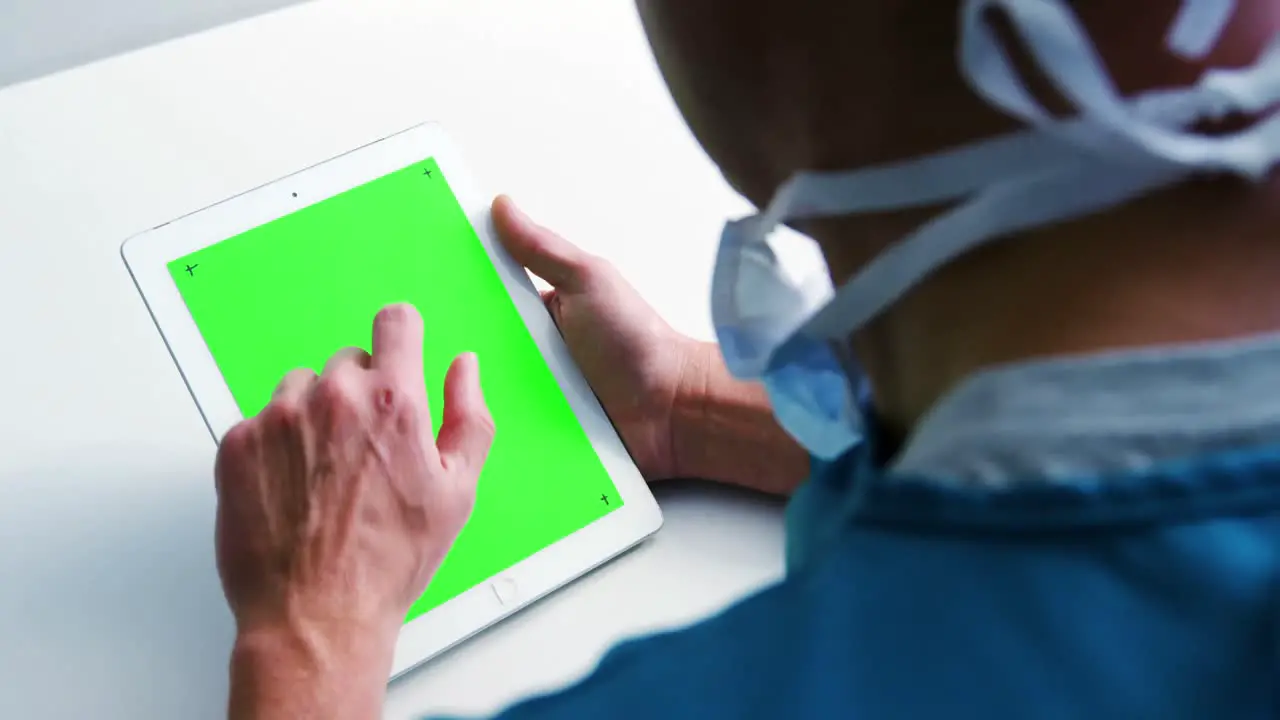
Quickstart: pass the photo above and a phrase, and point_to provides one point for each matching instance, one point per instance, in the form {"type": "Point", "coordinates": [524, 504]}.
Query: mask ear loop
{"type": "Point", "coordinates": [964, 171]}
{"type": "Point", "coordinates": [1082, 186]}
{"type": "Point", "coordinates": [1014, 205]}
{"type": "Point", "coordinates": [1198, 26]}
{"type": "Point", "coordinates": [1063, 52]}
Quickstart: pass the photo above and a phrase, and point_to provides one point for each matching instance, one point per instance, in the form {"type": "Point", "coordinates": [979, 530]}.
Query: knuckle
{"type": "Point", "coordinates": [300, 374]}
{"type": "Point", "coordinates": [400, 409]}
{"type": "Point", "coordinates": [281, 414]}
{"type": "Point", "coordinates": [237, 441]}
{"type": "Point", "coordinates": [333, 390]}
{"type": "Point", "coordinates": [236, 453]}
{"type": "Point", "coordinates": [388, 400]}
{"type": "Point", "coordinates": [344, 359]}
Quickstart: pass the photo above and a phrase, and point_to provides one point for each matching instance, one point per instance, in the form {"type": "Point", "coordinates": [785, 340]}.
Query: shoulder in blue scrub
{"type": "Point", "coordinates": [1151, 596]}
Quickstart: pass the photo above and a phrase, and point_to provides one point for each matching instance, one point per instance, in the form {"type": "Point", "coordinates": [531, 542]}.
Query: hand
{"type": "Point", "coordinates": [335, 505]}
{"type": "Point", "coordinates": [633, 359]}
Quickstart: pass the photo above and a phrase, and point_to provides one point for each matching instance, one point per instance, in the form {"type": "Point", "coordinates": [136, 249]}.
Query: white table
{"type": "Point", "coordinates": [109, 604]}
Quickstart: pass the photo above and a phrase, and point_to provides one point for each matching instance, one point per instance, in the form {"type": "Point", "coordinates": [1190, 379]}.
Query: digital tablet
{"type": "Point", "coordinates": [283, 276]}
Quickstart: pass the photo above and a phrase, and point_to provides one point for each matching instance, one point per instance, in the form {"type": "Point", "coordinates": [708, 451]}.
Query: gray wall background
{"type": "Point", "coordinates": [38, 37]}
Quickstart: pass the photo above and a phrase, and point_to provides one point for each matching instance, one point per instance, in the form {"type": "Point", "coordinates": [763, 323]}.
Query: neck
{"type": "Point", "coordinates": [1196, 263]}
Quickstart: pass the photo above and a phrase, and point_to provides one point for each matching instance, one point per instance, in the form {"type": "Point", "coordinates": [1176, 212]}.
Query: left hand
{"type": "Point", "coordinates": [634, 361]}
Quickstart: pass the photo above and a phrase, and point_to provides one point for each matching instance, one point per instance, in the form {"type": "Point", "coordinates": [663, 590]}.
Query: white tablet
{"type": "Point", "coordinates": [283, 276]}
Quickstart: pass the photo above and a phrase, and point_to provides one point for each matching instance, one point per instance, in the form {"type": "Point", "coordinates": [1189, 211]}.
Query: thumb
{"type": "Point", "coordinates": [466, 433]}
{"type": "Point", "coordinates": [543, 252]}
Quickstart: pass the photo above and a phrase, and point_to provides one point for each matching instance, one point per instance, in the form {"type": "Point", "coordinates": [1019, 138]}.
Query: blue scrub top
{"type": "Point", "coordinates": [1086, 539]}
{"type": "Point", "coordinates": [1148, 596]}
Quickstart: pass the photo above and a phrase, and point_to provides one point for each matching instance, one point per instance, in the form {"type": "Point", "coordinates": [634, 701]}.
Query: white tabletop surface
{"type": "Point", "coordinates": [109, 603]}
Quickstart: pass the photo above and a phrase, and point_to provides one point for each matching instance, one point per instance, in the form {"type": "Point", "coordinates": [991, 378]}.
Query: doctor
{"type": "Point", "coordinates": [1033, 435]}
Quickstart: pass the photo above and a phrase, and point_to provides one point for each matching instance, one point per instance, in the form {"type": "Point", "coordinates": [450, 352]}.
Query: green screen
{"type": "Point", "coordinates": [292, 292]}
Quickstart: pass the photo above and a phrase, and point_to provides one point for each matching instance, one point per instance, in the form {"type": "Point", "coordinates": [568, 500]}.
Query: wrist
{"type": "Point", "coordinates": [723, 429]}
{"type": "Point", "coordinates": [690, 407]}
{"type": "Point", "coordinates": [302, 671]}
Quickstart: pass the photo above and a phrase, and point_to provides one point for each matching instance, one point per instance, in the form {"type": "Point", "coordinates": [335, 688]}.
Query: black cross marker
{"type": "Point", "coordinates": [191, 269]}
{"type": "Point", "coordinates": [604, 499]}
{"type": "Point", "coordinates": [427, 172]}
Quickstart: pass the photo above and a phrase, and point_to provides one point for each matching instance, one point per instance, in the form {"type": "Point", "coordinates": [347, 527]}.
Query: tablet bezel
{"type": "Point", "coordinates": [148, 254]}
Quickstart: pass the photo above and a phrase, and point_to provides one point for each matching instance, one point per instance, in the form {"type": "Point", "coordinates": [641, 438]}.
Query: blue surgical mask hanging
{"type": "Point", "coordinates": [787, 326]}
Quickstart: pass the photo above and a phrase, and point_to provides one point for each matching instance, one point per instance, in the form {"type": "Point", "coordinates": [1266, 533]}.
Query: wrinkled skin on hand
{"type": "Point", "coordinates": [336, 505]}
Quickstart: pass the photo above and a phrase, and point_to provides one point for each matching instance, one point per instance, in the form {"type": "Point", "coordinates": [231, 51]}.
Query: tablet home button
{"type": "Point", "coordinates": [507, 591]}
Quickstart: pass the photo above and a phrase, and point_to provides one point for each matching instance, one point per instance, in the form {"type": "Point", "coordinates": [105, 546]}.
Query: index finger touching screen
{"type": "Point", "coordinates": [397, 345]}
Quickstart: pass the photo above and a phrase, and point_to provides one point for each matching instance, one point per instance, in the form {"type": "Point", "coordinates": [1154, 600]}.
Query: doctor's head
{"type": "Point", "coordinates": [771, 88]}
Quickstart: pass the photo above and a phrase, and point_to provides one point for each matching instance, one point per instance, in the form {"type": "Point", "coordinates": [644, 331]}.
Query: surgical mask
{"type": "Point", "coordinates": [788, 327]}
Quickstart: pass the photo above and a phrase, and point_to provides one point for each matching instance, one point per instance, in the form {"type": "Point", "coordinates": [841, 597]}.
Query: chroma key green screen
{"type": "Point", "coordinates": [292, 292]}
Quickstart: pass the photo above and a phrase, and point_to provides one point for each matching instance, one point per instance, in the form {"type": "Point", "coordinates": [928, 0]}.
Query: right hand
{"type": "Point", "coordinates": [634, 361]}
{"type": "Point", "coordinates": [336, 504]}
